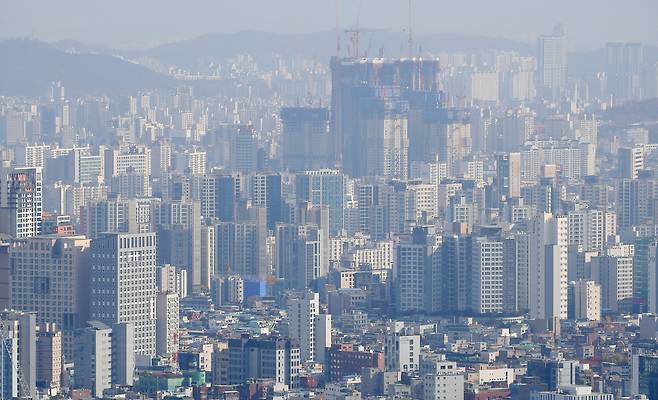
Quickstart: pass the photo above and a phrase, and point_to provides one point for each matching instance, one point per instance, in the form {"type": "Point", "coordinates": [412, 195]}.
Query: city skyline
{"type": "Point", "coordinates": [372, 215]}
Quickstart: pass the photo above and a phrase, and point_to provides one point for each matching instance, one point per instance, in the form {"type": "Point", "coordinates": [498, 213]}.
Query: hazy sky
{"type": "Point", "coordinates": [138, 23]}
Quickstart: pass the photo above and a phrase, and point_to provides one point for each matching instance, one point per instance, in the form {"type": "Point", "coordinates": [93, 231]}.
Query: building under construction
{"type": "Point", "coordinates": [361, 85]}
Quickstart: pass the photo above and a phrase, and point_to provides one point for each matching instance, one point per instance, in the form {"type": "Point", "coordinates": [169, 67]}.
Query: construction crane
{"type": "Point", "coordinates": [338, 28]}
{"type": "Point", "coordinates": [411, 37]}
{"type": "Point", "coordinates": [354, 49]}
{"type": "Point", "coordinates": [5, 335]}
{"type": "Point", "coordinates": [355, 33]}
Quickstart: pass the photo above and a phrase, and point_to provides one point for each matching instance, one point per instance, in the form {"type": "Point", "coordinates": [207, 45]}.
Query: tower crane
{"type": "Point", "coordinates": [356, 31]}
{"type": "Point", "coordinates": [337, 28]}
{"type": "Point", "coordinates": [411, 37]}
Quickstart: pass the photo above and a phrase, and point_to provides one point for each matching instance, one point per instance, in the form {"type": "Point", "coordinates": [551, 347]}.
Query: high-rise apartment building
{"type": "Point", "coordinates": [33, 156]}
{"type": "Point", "coordinates": [308, 326]}
{"type": "Point", "coordinates": [453, 143]}
{"type": "Point", "coordinates": [487, 276]}
{"type": "Point", "coordinates": [93, 358]}
{"type": "Point", "coordinates": [133, 158]}
{"type": "Point", "coordinates": [383, 135]}
{"type": "Point", "coordinates": [514, 128]}
{"type": "Point", "coordinates": [170, 278]}
{"type": "Point", "coordinates": [547, 266]}
{"type": "Point", "coordinates": [227, 290]}
{"type": "Point", "coordinates": [595, 192]}
{"type": "Point", "coordinates": [453, 280]}
{"type": "Point", "coordinates": [219, 196]}
{"type": "Point", "coordinates": [116, 214]}
{"type": "Point", "coordinates": [51, 278]}
{"type": "Point", "coordinates": [244, 149]}
{"type": "Point", "coordinates": [585, 128]}
{"type": "Point", "coordinates": [508, 175]}
{"type": "Point", "coordinates": [412, 261]}
{"type": "Point", "coordinates": [307, 139]}
{"type": "Point", "coordinates": [240, 248]}
{"type": "Point", "coordinates": [634, 200]}
{"type": "Point", "coordinates": [49, 366]}
{"type": "Point", "coordinates": [161, 157]}
{"type": "Point", "coordinates": [178, 226]}
{"type": "Point", "coordinates": [630, 162]}
{"type": "Point", "coordinates": [194, 162]}
{"type": "Point", "coordinates": [21, 201]}
{"type": "Point", "coordinates": [207, 255]}
{"type": "Point", "coordinates": [87, 168]}
{"type": "Point", "coordinates": [651, 276]}
{"type": "Point", "coordinates": [614, 273]}
{"type": "Point", "coordinates": [267, 191]}
{"type": "Point", "coordinates": [643, 377]}
{"type": "Point", "coordinates": [123, 284]}
{"type": "Point", "coordinates": [591, 228]}
{"type": "Point", "coordinates": [626, 190]}
{"type": "Point", "coordinates": [325, 187]}
{"type": "Point", "coordinates": [515, 273]}
{"type": "Point", "coordinates": [585, 300]}
{"type": "Point", "coordinates": [552, 62]}
{"type": "Point", "coordinates": [624, 68]}
{"type": "Point", "coordinates": [300, 256]}
{"type": "Point", "coordinates": [131, 185]}
{"type": "Point", "coordinates": [15, 124]}
{"type": "Point", "coordinates": [385, 99]}
{"type": "Point", "coordinates": [446, 135]}
{"type": "Point", "coordinates": [166, 325]}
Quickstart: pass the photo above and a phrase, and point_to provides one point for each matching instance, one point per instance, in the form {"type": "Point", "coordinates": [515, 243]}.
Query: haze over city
{"type": "Point", "coordinates": [126, 23]}
{"type": "Point", "coordinates": [329, 199]}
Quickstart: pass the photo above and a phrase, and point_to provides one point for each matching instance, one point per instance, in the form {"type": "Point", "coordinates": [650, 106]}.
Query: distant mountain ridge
{"type": "Point", "coordinates": [28, 66]}
{"type": "Point", "coordinates": [76, 47]}
{"type": "Point", "coordinates": [218, 46]}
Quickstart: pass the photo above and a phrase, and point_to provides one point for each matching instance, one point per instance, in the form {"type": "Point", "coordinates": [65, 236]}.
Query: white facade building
{"type": "Point", "coordinates": [401, 349]}
{"type": "Point", "coordinates": [123, 284]}
{"type": "Point", "coordinates": [586, 300]}
{"type": "Point", "coordinates": [306, 324]}
{"type": "Point", "coordinates": [442, 380]}
{"type": "Point", "coordinates": [50, 278]}
{"type": "Point", "coordinates": [547, 266]}
{"type": "Point", "coordinates": [166, 325]}
{"type": "Point", "coordinates": [487, 276]}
